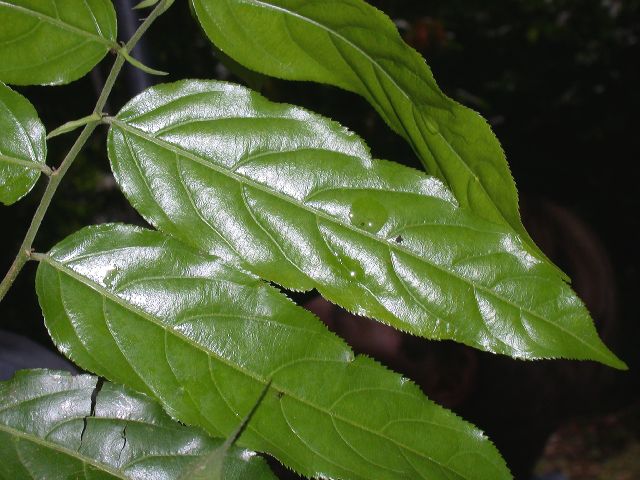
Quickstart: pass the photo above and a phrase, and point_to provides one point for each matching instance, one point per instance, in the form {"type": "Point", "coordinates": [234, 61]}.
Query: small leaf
{"type": "Point", "coordinates": [352, 45]}
{"type": "Point", "coordinates": [73, 125]}
{"type": "Point", "coordinates": [297, 199]}
{"type": "Point", "coordinates": [54, 425]}
{"type": "Point", "coordinates": [148, 311]}
{"type": "Point", "coordinates": [23, 147]}
{"type": "Point", "coordinates": [53, 42]}
{"type": "Point", "coordinates": [151, 3]}
{"type": "Point", "coordinates": [145, 4]}
{"type": "Point", "coordinates": [138, 64]}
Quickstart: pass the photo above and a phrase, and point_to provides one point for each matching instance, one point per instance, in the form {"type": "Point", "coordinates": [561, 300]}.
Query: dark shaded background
{"type": "Point", "coordinates": [558, 80]}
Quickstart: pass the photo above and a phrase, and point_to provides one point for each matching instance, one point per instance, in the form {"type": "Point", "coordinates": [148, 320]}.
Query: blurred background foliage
{"type": "Point", "coordinates": [558, 81]}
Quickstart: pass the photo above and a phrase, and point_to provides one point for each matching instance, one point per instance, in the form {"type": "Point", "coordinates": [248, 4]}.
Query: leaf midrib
{"type": "Point", "coordinates": [23, 163]}
{"type": "Point", "coordinates": [101, 290]}
{"type": "Point", "coordinates": [59, 23]}
{"type": "Point", "coordinates": [60, 449]}
{"type": "Point", "coordinates": [319, 213]}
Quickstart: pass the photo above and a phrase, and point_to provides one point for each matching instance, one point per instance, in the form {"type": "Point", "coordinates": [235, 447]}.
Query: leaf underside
{"type": "Point", "coordinates": [23, 147]}
{"type": "Point", "coordinates": [204, 339]}
{"type": "Point", "coordinates": [352, 45]}
{"type": "Point", "coordinates": [53, 42]}
{"type": "Point", "coordinates": [57, 426]}
{"type": "Point", "coordinates": [297, 199]}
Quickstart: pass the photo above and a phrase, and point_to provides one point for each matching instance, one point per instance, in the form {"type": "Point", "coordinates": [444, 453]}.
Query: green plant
{"type": "Point", "coordinates": [241, 191]}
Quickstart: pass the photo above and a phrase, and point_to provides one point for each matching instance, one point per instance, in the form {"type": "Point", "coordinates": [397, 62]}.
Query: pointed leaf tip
{"type": "Point", "coordinates": [298, 200]}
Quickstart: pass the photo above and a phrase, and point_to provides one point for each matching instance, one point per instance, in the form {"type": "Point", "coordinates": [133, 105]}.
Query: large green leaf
{"type": "Point", "coordinates": [204, 339]}
{"type": "Point", "coordinates": [57, 426]}
{"type": "Point", "coordinates": [50, 42]}
{"type": "Point", "coordinates": [23, 146]}
{"type": "Point", "coordinates": [352, 45]}
{"type": "Point", "coordinates": [298, 200]}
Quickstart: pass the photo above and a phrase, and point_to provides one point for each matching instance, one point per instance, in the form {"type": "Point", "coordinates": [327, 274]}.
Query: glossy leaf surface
{"type": "Point", "coordinates": [53, 42]}
{"type": "Point", "coordinates": [210, 467]}
{"type": "Point", "coordinates": [297, 199]}
{"type": "Point", "coordinates": [57, 426]}
{"type": "Point", "coordinates": [143, 309]}
{"type": "Point", "coordinates": [23, 147]}
{"type": "Point", "coordinates": [352, 45]}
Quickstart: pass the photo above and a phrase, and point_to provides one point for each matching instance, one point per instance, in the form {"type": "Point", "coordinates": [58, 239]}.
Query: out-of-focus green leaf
{"type": "Point", "coordinates": [352, 45]}
{"type": "Point", "coordinates": [297, 199]}
{"type": "Point", "coordinates": [204, 339]}
{"type": "Point", "coordinates": [57, 426]}
{"type": "Point", "coordinates": [151, 3]}
{"type": "Point", "coordinates": [145, 4]}
{"type": "Point", "coordinates": [51, 42]}
{"type": "Point", "coordinates": [23, 146]}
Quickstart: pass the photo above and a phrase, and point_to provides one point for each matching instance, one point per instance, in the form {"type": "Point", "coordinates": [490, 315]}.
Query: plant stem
{"type": "Point", "coordinates": [24, 253]}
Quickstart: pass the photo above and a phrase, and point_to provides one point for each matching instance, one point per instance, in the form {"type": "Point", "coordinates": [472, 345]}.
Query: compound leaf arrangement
{"type": "Point", "coordinates": [245, 193]}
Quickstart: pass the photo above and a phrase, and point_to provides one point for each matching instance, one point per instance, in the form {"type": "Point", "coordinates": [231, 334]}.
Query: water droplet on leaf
{"type": "Point", "coordinates": [353, 267]}
{"type": "Point", "coordinates": [368, 214]}
{"type": "Point", "coordinates": [110, 277]}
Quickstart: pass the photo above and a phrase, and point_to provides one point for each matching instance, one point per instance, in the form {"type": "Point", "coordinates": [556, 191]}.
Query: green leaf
{"type": "Point", "coordinates": [23, 147]}
{"type": "Point", "coordinates": [151, 3]}
{"type": "Point", "coordinates": [352, 45]}
{"type": "Point", "coordinates": [53, 42]}
{"type": "Point", "coordinates": [140, 65]}
{"type": "Point", "coordinates": [211, 467]}
{"type": "Point", "coordinates": [57, 426]}
{"type": "Point", "coordinates": [145, 4]}
{"type": "Point", "coordinates": [297, 199]}
{"type": "Point", "coordinates": [74, 125]}
{"type": "Point", "coordinates": [204, 339]}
